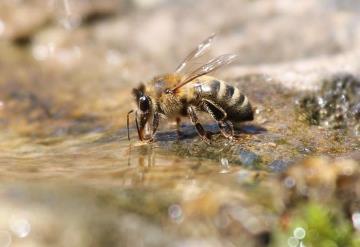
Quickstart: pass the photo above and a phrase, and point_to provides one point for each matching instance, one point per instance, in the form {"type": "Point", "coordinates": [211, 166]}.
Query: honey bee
{"type": "Point", "coordinates": [178, 94]}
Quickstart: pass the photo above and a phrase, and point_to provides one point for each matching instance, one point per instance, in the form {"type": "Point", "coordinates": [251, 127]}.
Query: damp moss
{"type": "Point", "coordinates": [321, 225]}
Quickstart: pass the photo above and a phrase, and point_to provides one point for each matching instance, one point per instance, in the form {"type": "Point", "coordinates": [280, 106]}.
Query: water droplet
{"type": "Point", "coordinates": [289, 182]}
{"type": "Point", "coordinates": [224, 165]}
{"type": "Point", "coordinates": [224, 162]}
{"type": "Point", "coordinates": [299, 233]}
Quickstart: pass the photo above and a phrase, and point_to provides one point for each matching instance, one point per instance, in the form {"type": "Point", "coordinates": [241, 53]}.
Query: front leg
{"type": "Point", "coordinates": [155, 123]}
{"type": "Point", "coordinates": [205, 135]}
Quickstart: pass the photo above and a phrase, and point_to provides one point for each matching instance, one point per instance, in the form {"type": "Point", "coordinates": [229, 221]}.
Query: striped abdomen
{"type": "Point", "coordinates": [228, 97]}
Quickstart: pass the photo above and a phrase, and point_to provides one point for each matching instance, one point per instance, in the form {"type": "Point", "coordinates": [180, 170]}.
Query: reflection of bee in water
{"type": "Point", "coordinates": [175, 95]}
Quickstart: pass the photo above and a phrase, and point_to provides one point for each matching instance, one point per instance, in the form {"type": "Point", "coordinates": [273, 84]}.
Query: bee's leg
{"type": "Point", "coordinates": [227, 129]}
{"type": "Point", "coordinates": [219, 115]}
{"type": "Point", "coordinates": [155, 123]}
{"type": "Point", "coordinates": [128, 123]}
{"type": "Point", "coordinates": [214, 110]}
{"type": "Point", "coordinates": [205, 135]}
{"type": "Point", "coordinates": [178, 131]}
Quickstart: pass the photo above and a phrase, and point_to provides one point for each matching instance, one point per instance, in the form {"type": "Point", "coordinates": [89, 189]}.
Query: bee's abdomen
{"type": "Point", "coordinates": [236, 104]}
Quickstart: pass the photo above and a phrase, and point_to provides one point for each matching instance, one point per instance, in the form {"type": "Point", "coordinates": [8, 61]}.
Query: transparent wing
{"type": "Point", "coordinates": [212, 65]}
{"type": "Point", "coordinates": [197, 52]}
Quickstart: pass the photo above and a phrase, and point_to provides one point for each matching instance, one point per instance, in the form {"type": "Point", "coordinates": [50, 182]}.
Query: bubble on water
{"type": "Point", "coordinates": [175, 213]}
{"type": "Point", "coordinates": [293, 242]}
{"type": "Point", "coordinates": [356, 220]}
{"type": "Point", "coordinates": [289, 182]}
{"type": "Point", "coordinates": [20, 226]}
{"type": "Point", "coordinates": [299, 233]}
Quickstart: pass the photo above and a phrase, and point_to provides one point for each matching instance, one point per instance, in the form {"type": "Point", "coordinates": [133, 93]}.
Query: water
{"type": "Point", "coordinates": [72, 168]}
{"type": "Point", "coordinates": [70, 177]}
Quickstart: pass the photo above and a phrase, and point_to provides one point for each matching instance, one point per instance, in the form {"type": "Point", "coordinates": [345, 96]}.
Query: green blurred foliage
{"type": "Point", "coordinates": [325, 226]}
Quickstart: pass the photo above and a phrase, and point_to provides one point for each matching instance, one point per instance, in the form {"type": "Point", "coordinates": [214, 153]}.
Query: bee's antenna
{"type": "Point", "coordinates": [128, 130]}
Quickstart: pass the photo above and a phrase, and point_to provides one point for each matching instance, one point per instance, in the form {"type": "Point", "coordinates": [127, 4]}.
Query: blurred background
{"type": "Point", "coordinates": [69, 177]}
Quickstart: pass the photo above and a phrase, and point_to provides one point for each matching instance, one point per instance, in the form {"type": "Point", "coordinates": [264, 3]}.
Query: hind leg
{"type": "Point", "coordinates": [227, 129]}
{"type": "Point", "coordinates": [219, 115]}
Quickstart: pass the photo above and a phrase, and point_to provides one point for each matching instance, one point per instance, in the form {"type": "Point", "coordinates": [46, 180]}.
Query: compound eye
{"type": "Point", "coordinates": [144, 103]}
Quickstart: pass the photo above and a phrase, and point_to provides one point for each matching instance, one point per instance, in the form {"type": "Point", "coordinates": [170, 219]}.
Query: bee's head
{"type": "Point", "coordinates": [144, 109]}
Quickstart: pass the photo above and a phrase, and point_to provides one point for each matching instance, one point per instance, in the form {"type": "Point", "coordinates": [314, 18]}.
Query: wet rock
{"type": "Point", "coordinates": [336, 105]}
{"type": "Point", "coordinates": [35, 215]}
{"type": "Point", "coordinates": [319, 178]}
{"type": "Point", "coordinates": [249, 159]}
{"type": "Point", "coordinates": [278, 165]}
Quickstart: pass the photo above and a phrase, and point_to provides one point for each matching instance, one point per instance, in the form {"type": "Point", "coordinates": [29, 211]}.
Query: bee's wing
{"type": "Point", "coordinates": [197, 52]}
{"type": "Point", "coordinates": [212, 65]}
